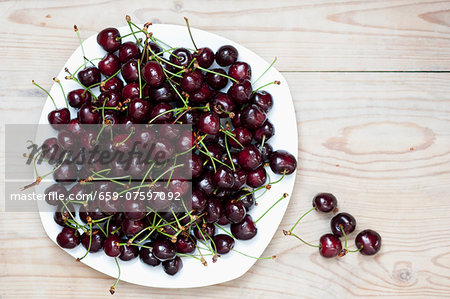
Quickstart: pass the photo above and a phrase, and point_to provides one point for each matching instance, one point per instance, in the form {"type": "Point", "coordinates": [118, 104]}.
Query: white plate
{"type": "Point", "coordinates": [232, 265]}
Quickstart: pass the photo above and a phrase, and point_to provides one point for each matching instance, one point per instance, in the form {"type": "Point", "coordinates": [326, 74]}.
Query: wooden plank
{"type": "Point", "coordinates": [307, 35]}
{"type": "Point", "coordinates": [379, 142]}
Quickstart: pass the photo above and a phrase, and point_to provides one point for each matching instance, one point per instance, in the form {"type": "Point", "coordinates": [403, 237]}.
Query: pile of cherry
{"type": "Point", "coordinates": [140, 82]}
{"type": "Point", "coordinates": [368, 242]}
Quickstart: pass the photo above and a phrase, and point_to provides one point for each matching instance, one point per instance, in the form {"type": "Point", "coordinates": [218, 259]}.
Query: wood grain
{"type": "Point", "coordinates": [307, 35]}
{"type": "Point", "coordinates": [379, 141]}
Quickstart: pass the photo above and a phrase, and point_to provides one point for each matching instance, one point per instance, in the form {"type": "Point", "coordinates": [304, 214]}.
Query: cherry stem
{"type": "Point", "coordinates": [286, 233]}
{"type": "Point", "coordinates": [190, 34]}
{"type": "Point", "coordinates": [112, 289]}
{"type": "Point", "coordinates": [216, 73]}
{"type": "Point", "coordinates": [231, 135]}
{"type": "Point", "coordinates": [260, 76]}
{"type": "Point", "coordinates": [262, 143]}
{"type": "Point", "coordinates": [228, 152]}
{"type": "Point", "coordinates": [140, 80]}
{"type": "Point", "coordinates": [301, 217]}
{"type": "Point", "coordinates": [345, 236]}
{"type": "Point", "coordinates": [224, 230]}
{"type": "Point", "coordinates": [281, 198]}
{"type": "Point", "coordinates": [90, 242]}
{"type": "Point", "coordinates": [253, 257]}
{"type": "Point", "coordinates": [75, 28]}
{"type": "Point", "coordinates": [127, 17]}
{"type": "Point", "coordinates": [37, 85]}
{"type": "Point", "coordinates": [270, 83]}
{"type": "Point", "coordinates": [62, 90]}
{"type": "Point", "coordinates": [356, 250]}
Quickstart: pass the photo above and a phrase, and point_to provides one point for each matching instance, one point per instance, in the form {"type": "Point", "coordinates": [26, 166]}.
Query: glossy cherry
{"type": "Point", "coordinates": [153, 74]}
{"type": "Point", "coordinates": [244, 230]}
{"type": "Point", "coordinates": [111, 246]}
{"type": "Point", "coordinates": [109, 65]}
{"type": "Point", "coordinates": [215, 79]}
{"type": "Point", "coordinates": [68, 238]}
{"type": "Point", "coordinates": [173, 266]}
{"type": "Point", "coordinates": [223, 243]}
{"type": "Point", "coordinates": [181, 57]}
{"type": "Point", "coordinates": [325, 202]}
{"type": "Point", "coordinates": [89, 76]}
{"type": "Point", "coordinates": [253, 117]}
{"type": "Point", "coordinates": [59, 117]}
{"type": "Point", "coordinates": [241, 91]}
{"type": "Point", "coordinates": [130, 71]}
{"type": "Point", "coordinates": [109, 39]}
{"type": "Point", "coordinates": [329, 246]}
{"type": "Point", "coordinates": [250, 157]}
{"type": "Point", "coordinates": [96, 241]}
{"type": "Point", "coordinates": [164, 249]}
{"type": "Point", "coordinates": [223, 178]}
{"type": "Point", "coordinates": [209, 123]}
{"type": "Point", "coordinates": [235, 211]}
{"type": "Point", "coordinates": [282, 161]}
{"type": "Point", "coordinates": [240, 71]}
{"type": "Point", "coordinates": [128, 51]}
{"type": "Point", "coordinates": [226, 55]}
{"type": "Point", "coordinates": [263, 99]}
{"type": "Point", "coordinates": [78, 97]}
{"type": "Point", "coordinates": [369, 240]}
{"type": "Point", "coordinates": [347, 221]}
{"type": "Point", "coordinates": [257, 177]}
{"type": "Point", "coordinates": [146, 255]}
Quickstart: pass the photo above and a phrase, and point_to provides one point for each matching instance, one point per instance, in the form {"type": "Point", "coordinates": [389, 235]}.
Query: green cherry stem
{"type": "Point", "coordinates": [267, 69]}
{"type": "Point", "coordinates": [190, 34]}
{"type": "Point", "coordinates": [301, 217]}
{"type": "Point", "coordinates": [274, 204]}
{"type": "Point", "coordinates": [270, 83]}
{"type": "Point", "coordinates": [40, 87]}
{"type": "Point", "coordinates": [253, 257]}
{"type": "Point", "coordinates": [286, 233]}
{"type": "Point", "coordinates": [112, 289]}
{"type": "Point", "coordinates": [62, 90]}
{"type": "Point", "coordinates": [75, 28]}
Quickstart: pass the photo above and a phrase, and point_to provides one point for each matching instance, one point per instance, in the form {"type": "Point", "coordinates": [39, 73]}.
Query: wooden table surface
{"type": "Point", "coordinates": [371, 88]}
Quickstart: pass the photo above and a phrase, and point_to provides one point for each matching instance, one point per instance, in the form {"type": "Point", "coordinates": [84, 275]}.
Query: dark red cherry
{"type": "Point", "coordinates": [213, 210]}
{"type": "Point", "coordinates": [111, 246]}
{"type": "Point", "coordinates": [253, 117]}
{"type": "Point", "coordinates": [241, 91]}
{"type": "Point", "coordinates": [242, 135]}
{"type": "Point", "coordinates": [245, 197]}
{"type": "Point", "coordinates": [265, 132]}
{"type": "Point", "coordinates": [250, 157]}
{"type": "Point", "coordinates": [185, 245]}
{"type": "Point", "coordinates": [128, 51]}
{"type": "Point", "coordinates": [369, 240]}
{"type": "Point", "coordinates": [129, 252]}
{"type": "Point", "coordinates": [51, 151]}
{"type": "Point", "coordinates": [66, 173]}
{"type": "Point", "coordinates": [206, 229]}
{"type": "Point", "coordinates": [198, 201]}
{"type": "Point", "coordinates": [112, 84]}
{"type": "Point", "coordinates": [153, 74]}
{"type": "Point", "coordinates": [164, 249]}
{"type": "Point", "coordinates": [88, 115]}
{"type": "Point", "coordinates": [59, 117]}
{"type": "Point", "coordinates": [240, 178]}
{"type": "Point", "coordinates": [347, 221]}
{"type": "Point", "coordinates": [131, 227]}
{"type": "Point", "coordinates": [63, 213]}
{"type": "Point", "coordinates": [204, 183]}
{"type": "Point", "coordinates": [130, 72]}
{"type": "Point", "coordinates": [263, 99]}
{"type": "Point", "coordinates": [223, 243]}
{"type": "Point", "coordinates": [109, 39]}
{"type": "Point", "coordinates": [78, 97]}
{"type": "Point", "coordinates": [236, 120]}
{"type": "Point", "coordinates": [89, 76]}
{"type": "Point", "coordinates": [234, 211]}
{"type": "Point", "coordinates": [324, 202]}
{"type": "Point", "coordinates": [282, 162]}
{"type": "Point", "coordinates": [164, 93]}
{"type": "Point", "coordinates": [204, 57]}
{"type": "Point", "coordinates": [109, 65]}
{"type": "Point", "coordinates": [160, 113]}
{"type": "Point", "coordinates": [222, 104]}
{"type": "Point", "coordinates": [139, 110]}
{"type": "Point", "coordinates": [112, 99]}
{"type": "Point", "coordinates": [68, 238]}
{"type": "Point", "coordinates": [96, 241]}
{"type": "Point", "coordinates": [67, 140]}
{"type": "Point", "coordinates": [55, 193]}
{"type": "Point", "coordinates": [200, 96]}
{"type": "Point", "coordinates": [226, 55]}
{"type": "Point", "coordinates": [257, 177]}
{"type": "Point", "coordinates": [223, 178]}
{"type": "Point", "coordinates": [75, 127]}
{"type": "Point", "coordinates": [185, 141]}
{"type": "Point", "coordinates": [266, 151]}
{"type": "Point", "coordinates": [192, 81]}
{"type": "Point", "coordinates": [209, 123]}
{"type": "Point", "coordinates": [146, 255]}
{"type": "Point", "coordinates": [181, 57]}
{"type": "Point", "coordinates": [173, 266]}
{"type": "Point", "coordinates": [216, 81]}
{"type": "Point", "coordinates": [244, 230]}
{"type": "Point", "coordinates": [329, 246]}
{"type": "Point", "coordinates": [240, 71]}
{"type": "Point", "coordinates": [134, 209]}
{"type": "Point", "coordinates": [130, 91]}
